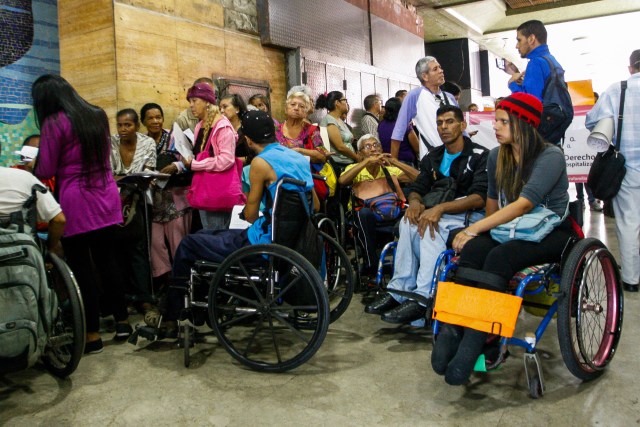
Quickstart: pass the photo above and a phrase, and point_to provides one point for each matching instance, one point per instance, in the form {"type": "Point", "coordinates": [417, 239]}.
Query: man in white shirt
{"type": "Point", "coordinates": [420, 105]}
{"type": "Point", "coordinates": [15, 189]}
{"type": "Point", "coordinates": [626, 202]}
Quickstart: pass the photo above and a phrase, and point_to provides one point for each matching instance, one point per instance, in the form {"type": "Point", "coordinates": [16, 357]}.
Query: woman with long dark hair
{"type": "Point", "coordinates": [232, 106]}
{"type": "Point", "coordinates": [74, 148]}
{"type": "Point", "coordinates": [524, 172]}
{"type": "Point", "coordinates": [340, 136]}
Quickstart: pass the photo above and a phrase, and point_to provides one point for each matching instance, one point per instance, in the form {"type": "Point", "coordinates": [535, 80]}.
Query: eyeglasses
{"type": "Point", "coordinates": [440, 100]}
{"type": "Point", "coordinates": [371, 146]}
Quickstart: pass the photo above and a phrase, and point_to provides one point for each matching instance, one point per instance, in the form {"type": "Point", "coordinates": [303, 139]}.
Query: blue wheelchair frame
{"type": "Point", "coordinates": [545, 275]}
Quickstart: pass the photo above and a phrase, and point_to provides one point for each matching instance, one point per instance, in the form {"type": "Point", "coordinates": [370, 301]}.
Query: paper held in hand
{"type": "Point", "coordinates": [181, 143]}
{"type": "Point", "coordinates": [236, 222]}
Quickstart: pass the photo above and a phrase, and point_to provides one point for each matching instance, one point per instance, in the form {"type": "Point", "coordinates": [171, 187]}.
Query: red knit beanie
{"type": "Point", "coordinates": [526, 107]}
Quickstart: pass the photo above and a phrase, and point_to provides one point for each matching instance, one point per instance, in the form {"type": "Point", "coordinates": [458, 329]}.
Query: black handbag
{"type": "Point", "coordinates": [608, 170]}
{"type": "Point", "coordinates": [443, 190]}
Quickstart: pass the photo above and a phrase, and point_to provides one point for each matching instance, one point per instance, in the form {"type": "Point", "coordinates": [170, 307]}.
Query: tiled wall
{"type": "Point", "coordinates": [29, 44]}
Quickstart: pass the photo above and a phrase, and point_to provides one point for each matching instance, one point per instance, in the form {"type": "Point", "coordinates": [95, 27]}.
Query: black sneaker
{"type": "Point", "coordinates": [93, 347]}
{"type": "Point", "coordinates": [123, 331]}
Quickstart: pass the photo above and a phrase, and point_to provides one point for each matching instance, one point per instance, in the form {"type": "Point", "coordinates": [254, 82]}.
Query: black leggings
{"type": "Point", "coordinates": [98, 248]}
{"type": "Point", "coordinates": [457, 349]}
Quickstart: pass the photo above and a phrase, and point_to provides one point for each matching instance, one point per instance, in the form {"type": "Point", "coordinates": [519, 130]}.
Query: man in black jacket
{"type": "Point", "coordinates": [459, 166]}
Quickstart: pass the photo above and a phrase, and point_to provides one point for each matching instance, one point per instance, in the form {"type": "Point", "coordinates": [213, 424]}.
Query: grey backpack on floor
{"type": "Point", "coordinates": [27, 305]}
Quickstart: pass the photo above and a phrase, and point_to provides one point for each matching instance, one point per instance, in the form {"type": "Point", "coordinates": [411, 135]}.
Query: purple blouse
{"type": "Point", "coordinates": [87, 204]}
{"type": "Point", "coordinates": [405, 154]}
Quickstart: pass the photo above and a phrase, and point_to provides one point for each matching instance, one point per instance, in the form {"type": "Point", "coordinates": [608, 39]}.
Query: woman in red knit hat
{"type": "Point", "coordinates": [524, 172]}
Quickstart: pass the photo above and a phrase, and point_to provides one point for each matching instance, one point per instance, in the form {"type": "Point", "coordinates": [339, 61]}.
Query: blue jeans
{"type": "Point", "coordinates": [416, 257]}
{"type": "Point", "coordinates": [580, 195]}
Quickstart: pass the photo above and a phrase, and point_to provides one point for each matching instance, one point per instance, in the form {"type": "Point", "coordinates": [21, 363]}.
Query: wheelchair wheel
{"type": "Point", "coordinates": [338, 277]}
{"type": "Point", "coordinates": [590, 309]}
{"type": "Point", "coordinates": [65, 343]}
{"type": "Point", "coordinates": [269, 308]}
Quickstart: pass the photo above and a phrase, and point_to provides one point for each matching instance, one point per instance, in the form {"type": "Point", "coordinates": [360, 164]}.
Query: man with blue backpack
{"type": "Point", "coordinates": [544, 79]}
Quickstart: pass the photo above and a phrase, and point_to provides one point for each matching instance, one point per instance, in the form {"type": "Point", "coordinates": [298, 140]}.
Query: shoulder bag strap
{"type": "Point", "coordinates": [393, 184]}
{"type": "Point", "coordinates": [623, 91]}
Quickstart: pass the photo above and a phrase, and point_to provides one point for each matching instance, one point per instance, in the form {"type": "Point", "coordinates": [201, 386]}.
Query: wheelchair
{"type": "Point", "coordinates": [583, 290]}
{"type": "Point", "coordinates": [65, 330]}
{"type": "Point", "coordinates": [267, 304]}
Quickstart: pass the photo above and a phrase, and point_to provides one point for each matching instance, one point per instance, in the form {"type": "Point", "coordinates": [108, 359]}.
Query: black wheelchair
{"type": "Point", "coordinates": [268, 304]}
{"type": "Point", "coordinates": [583, 290]}
{"type": "Point", "coordinates": [60, 307]}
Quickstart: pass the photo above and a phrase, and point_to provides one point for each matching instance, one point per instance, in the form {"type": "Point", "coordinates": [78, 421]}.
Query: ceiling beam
{"type": "Point", "coordinates": [546, 6]}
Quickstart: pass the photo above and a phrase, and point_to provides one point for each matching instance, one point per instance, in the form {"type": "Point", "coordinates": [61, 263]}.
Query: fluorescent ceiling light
{"type": "Point", "coordinates": [464, 20]}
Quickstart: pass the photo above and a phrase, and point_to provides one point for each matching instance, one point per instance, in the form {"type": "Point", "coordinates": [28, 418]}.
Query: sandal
{"type": "Point", "coordinates": [152, 317]}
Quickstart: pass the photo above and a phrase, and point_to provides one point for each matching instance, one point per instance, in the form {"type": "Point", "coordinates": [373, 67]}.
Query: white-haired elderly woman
{"type": "Point", "coordinates": [295, 133]}
{"type": "Point", "coordinates": [368, 180]}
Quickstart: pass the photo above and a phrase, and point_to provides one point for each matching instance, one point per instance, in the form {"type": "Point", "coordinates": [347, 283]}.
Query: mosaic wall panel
{"type": "Point", "coordinates": [382, 87]}
{"type": "Point", "coordinates": [30, 49]}
{"type": "Point", "coordinates": [329, 26]}
{"type": "Point", "coordinates": [394, 48]}
{"type": "Point", "coordinates": [353, 93]}
{"type": "Point", "coordinates": [326, 73]}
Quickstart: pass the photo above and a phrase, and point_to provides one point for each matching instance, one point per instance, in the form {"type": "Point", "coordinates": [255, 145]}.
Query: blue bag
{"type": "Point", "coordinates": [385, 207]}
{"type": "Point", "coordinates": [533, 226]}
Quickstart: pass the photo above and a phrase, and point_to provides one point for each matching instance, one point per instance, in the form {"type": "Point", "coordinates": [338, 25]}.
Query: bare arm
{"type": "Point", "coordinates": [493, 219]}
{"type": "Point", "coordinates": [260, 175]}
{"type": "Point", "coordinates": [315, 155]}
{"type": "Point", "coordinates": [409, 173]}
{"type": "Point", "coordinates": [336, 141]}
{"type": "Point", "coordinates": [414, 142]}
{"type": "Point", "coordinates": [56, 228]}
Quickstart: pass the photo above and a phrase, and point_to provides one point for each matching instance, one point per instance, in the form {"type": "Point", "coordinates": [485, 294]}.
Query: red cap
{"type": "Point", "coordinates": [526, 107]}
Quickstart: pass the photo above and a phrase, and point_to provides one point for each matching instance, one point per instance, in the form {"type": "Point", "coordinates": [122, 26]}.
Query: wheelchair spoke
{"type": "Point", "coordinates": [236, 320]}
{"type": "Point", "coordinates": [302, 307]}
{"type": "Point", "coordinates": [253, 336]}
{"type": "Point", "coordinates": [251, 282]}
{"type": "Point", "coordinates": [274, 339]}
{"type": "Point", "coordinates": [240, 297]}
{"type": "Point", "coordinates": [295, 331]}
{"type": "Point", "coordinates": [285, 290]}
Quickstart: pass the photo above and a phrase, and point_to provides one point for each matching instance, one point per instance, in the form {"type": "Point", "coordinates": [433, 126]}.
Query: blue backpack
{"type": "Point", "coordinates": [557, 108]}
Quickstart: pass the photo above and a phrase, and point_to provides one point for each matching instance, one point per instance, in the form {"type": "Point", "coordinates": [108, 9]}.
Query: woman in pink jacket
{"type": "Point", "coordinates": [214, 150]}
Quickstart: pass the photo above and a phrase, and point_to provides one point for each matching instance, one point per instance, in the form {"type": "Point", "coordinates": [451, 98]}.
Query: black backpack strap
{"type": "Point", "coordinates": [623, 91]}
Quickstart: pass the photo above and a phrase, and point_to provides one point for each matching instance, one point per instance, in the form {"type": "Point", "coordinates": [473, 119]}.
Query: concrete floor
{"type": "Point", "coordinates": [367, 372]}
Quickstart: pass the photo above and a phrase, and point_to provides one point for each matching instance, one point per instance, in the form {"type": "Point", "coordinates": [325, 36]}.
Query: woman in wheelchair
{"type": "Point", "coordinates": [378, 198]}
{"type": "Point", "coordinates": [523, 172]}
{"type": "Point", "coordinates": [272, 163]}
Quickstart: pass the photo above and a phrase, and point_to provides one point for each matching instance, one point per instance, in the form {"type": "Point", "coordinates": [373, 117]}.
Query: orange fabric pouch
{"type": "Point", "coordinates": [479, 309]}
